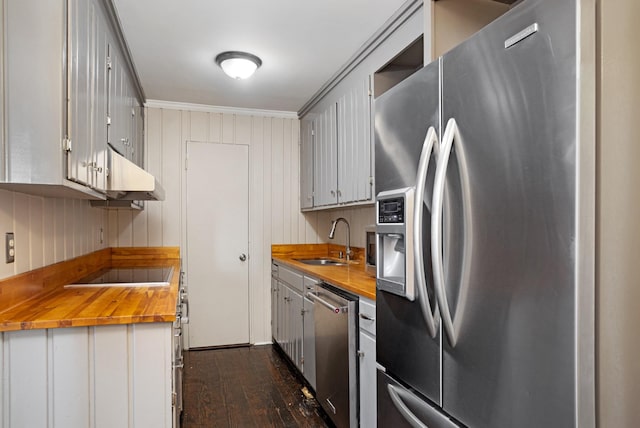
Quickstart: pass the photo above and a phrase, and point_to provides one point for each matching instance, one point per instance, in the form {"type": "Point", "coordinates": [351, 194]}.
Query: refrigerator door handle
{"type": "Point", "coordinates": [413, 420]}
{"type": "Point", "coordinates": [451, 133]}
{"type": "Point", "coordinates": [430, 145]}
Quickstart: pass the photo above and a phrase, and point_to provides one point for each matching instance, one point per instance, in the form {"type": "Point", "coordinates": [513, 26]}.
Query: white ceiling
{"type": "Point", "coordinates": [302, 43]}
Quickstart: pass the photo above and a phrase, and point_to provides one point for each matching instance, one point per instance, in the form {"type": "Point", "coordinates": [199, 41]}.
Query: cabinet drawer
{"type": "Point", "coordinates": [292, 278]}
{"type": "Point", "coordinates": [310, 283]}
{"type": "Point", "coordinates": [367, 317]}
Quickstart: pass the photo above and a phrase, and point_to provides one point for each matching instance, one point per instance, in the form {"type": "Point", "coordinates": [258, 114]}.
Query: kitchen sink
{"type": "Point", "coordinates": [321, 262]}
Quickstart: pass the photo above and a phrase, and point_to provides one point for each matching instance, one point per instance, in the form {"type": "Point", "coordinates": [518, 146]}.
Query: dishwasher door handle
{"type": "Point", "coordinates": [335, 309]}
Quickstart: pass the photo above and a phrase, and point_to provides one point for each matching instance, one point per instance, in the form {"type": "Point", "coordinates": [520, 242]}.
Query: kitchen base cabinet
{"type": "Point", "coordinates": [292, 319]}
{"type": "Point", "coordinates": [106, 376]}
{"type": "Point", "coordinates": [367, 354]}
{"type": "Point", "coordinates": [309, 334]}
{"type": "Point", "coordinates": [288, 312]}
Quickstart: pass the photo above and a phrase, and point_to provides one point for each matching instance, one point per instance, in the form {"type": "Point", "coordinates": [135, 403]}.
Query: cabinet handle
{"type": "Point", "coordinates": [367, 317]}
{"type": "Point", "coordinates": [333, 193]}
{"type": "Point", "coordinates": [361, 354]}
{"type": "Point", "coordinates": [339, 193]}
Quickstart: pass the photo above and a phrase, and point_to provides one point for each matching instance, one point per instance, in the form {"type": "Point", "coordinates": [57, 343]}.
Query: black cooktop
{"type": "Point", "coordinates": [124, 276]}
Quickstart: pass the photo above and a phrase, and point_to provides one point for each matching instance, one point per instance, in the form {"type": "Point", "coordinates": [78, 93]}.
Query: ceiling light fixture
{"type": "Point", "coordinates": [238, 65]}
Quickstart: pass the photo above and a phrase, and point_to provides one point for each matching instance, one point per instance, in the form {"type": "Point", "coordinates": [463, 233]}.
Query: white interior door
{"type": "Point", "coordinates": [217, 243]}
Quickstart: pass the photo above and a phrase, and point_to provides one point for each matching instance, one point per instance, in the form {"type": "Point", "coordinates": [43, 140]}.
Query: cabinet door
{"type": "Point", "coordinates": [367, 380]}
{"type": "Point", "coordinates": [119, 103]}
{"type": "Point", "coordinates": [34, 83]}
{"type": "Point", "coordinates": [101, 94]}
{"type": "Point", "coordinates": [81, 65]}
{"type": "Point", "coordinates": [354, 144]}
{"type": "Point", "coordinates": [286, 319]}
{"type": "Point", "coordinates": [137, 130]}
{"type": "Point", "coordinates": [308, 344]}
{"type": "Point", "coordinates": [282, 316]}
{"type": "Point", "coordinates": [306, 163]}
{"type": "Point", "coordinates": [325, 158]}
{"type": "Point", "coordinates": [296, 328]}
{"type": "Point", "coordinates": [86, 161]}
{"type": "Point", "coordinates": [274, 308]}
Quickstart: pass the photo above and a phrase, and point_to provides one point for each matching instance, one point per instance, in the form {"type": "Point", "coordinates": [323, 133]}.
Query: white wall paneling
{"type": "Point", "coordinates": [26, 355]}
{"type": "Point", "coordinates": [358, 218]}
{"type": "Point", "coordinates": [48, 230]}
{"type": "Point", "coordinates": [69, 381]}
{"type": "Point", "coordinates": [108, 376]}
{"type": "Point", "coordinates": [150, 365]}
{"type": "Point", "coordinates": [110, 356]}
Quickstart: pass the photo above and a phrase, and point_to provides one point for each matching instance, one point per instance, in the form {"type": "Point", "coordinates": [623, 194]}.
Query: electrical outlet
{"type": "Point", "coordinates": [10, 246]}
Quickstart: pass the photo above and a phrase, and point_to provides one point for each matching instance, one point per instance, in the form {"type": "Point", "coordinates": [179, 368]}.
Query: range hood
{"type": "Point", "coordinates": [127, 181]}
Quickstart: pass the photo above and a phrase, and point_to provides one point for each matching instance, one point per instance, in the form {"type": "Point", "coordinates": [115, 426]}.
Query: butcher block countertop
{"type": "Point", "coordinates": [352, 277]}
{"type": "Point", "coordinates": [38, 299]}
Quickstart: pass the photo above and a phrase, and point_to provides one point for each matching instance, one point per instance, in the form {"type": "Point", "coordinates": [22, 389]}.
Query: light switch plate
{"type": "Point", "coordinates": [10, 247]}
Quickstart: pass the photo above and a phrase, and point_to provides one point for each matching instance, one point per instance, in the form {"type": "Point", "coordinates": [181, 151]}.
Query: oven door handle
{"type": "Point", "coordinates": [184, 319]}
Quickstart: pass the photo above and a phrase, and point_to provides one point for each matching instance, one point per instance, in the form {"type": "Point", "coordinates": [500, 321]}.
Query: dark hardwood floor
{"type": "Point", "coordinates": [244, 387]}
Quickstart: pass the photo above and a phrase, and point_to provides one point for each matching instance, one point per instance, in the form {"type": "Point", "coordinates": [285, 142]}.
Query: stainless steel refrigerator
{"type": "Point", "coordinates": [476, 225]}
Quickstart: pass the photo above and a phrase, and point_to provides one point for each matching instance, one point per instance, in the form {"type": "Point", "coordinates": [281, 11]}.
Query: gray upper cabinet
{"type": "Point", "coordinates": [342, 153]}
{"type": "Point", "coordinates": [58, 89]}
{"type": "Point", "coordinates": [325, 166]}
{"type": "Point", "coordinates": [306, 163]}
{"type": "Point", "coordinates": [355, 179]}
{"type": "Point", "coordinates": [88, 83]}
{"type": "Point", "coordinates": [123, 105]}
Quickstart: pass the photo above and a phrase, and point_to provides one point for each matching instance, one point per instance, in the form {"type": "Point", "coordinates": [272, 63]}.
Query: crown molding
{"type": "Point", "coordinates": [172, 105]}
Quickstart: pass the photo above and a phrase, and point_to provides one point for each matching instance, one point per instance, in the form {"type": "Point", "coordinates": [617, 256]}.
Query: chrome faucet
{"type": "Point", "coordinates": [332, 234]}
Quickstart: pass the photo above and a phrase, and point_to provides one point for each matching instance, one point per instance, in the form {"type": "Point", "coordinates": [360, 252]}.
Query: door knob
{"type": "Point", "coordinates": [243, 257]}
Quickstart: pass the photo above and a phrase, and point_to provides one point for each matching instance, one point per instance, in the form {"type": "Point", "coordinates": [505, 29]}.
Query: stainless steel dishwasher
{"type": "Point", "coordinates": [335, 322]}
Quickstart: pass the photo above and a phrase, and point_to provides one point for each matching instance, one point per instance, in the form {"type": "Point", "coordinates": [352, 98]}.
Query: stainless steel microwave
{"type": "Point", "coordinates": [370, 249]}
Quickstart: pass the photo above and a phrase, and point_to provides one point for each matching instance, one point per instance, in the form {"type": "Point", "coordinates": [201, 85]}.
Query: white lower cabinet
{"type": "Point", "coordinates": [292, 319]}
{"type": "Point", "coordinates": [107, 376]}
{"type": "Point", "coordinates": [367, 354]}
{"type": "Point", "coordinates": [287, 314]}
{"type": "Point", "coordinates": [309, 334]}
{"type": "Point", "coordinates": [294, 309]}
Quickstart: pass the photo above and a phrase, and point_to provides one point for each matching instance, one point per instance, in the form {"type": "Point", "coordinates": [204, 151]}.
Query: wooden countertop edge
{"type": "Point", "coordinates": [85, 322]}
{"type": "Point", "coordinates": [351, 278]}
{"type": "Point", "coordinates": [43, 283]}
